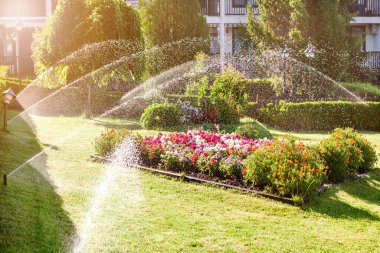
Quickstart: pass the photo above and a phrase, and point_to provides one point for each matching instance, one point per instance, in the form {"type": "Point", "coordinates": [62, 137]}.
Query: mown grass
{"type": "Point", "coordinates": [45, 203]}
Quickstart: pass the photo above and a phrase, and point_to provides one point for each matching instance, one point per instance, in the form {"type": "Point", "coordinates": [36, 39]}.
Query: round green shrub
{"type": "Point", "coordinates": [161, 116]}
{"type": "Point", "coordinates": [287, 167]}
{"type": "Point", "coordinates": [254, 131]}
{"type": "Point", "coordinates": [347, 153]}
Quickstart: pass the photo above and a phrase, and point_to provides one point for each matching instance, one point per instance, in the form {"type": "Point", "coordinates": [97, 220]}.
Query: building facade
{"type": "Point", "coordinates": [18, 21]}
{"type": "Point", "coordinates": [224, 17]}
{"type": "Point", "coordinates": [367, 25]}
{"type": "Point", "coordinates": [20, 18]}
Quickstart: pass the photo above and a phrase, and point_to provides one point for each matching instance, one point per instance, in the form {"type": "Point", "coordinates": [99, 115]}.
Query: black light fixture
{"type": "Point", "coordinates": [9, 95]}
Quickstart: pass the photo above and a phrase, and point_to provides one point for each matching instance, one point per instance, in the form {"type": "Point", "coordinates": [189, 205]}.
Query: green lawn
{"type": "Point", "coordinates": [45, 203]}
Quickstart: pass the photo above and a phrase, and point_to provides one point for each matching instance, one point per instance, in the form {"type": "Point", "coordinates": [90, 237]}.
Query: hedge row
{"type": "Point", "coordinates": [322, 115]}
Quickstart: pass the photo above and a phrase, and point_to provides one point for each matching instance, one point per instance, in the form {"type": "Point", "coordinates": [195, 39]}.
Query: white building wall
{"type": "Point", "coordinates": [8, 27]}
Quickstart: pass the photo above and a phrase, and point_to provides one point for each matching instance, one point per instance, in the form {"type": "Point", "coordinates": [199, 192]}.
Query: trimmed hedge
{"type": "Point", "coordinates": [263, 88]}
{"type": "Point", "coordinates": [322, 115]}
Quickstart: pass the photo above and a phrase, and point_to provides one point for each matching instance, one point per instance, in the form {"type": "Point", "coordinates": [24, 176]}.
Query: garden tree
{"type": "Point", "coordinates": [77, 22]}
{"type": "Point", "coordinates": [166, 21]}
{"type": "Point", "coordinates": [293, 22]}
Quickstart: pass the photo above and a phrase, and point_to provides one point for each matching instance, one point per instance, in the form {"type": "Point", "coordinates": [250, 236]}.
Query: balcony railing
{"type": "Point", "coordinates": [373, 60]}
{"type": "Point", "coordinates": [366, 8]}
{"type": "Point", "coordinates": [7, 60]}
{"type": "Point", "coordinates": [233, 7]}
{"type": "Point", "coordinates": [239, 7]}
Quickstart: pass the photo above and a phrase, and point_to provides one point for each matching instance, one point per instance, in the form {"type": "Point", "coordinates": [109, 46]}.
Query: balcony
{"type": "Point", "coordinates": [239, 7]}
{"type": "Point", "coordinates": [7, 60]}
{"type": "Point", "coordinates": [373, 60]}
{"type": "Point", "coordinates": [233, 7]}
{"type": "Point", "coordinates": [366, 8]}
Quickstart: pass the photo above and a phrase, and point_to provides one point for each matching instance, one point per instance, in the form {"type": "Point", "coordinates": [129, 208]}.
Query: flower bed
{"type": "Point", "coordinates": [285, 167]}
{"type": "Point", "coordinates": [198, 151]}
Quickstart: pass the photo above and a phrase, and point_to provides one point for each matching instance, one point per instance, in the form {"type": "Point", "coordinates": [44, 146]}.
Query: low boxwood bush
{"type": "Point", "coordinates": [254, 130]}
{"type": "Point", "coordinates": [161, 116]}
{"type": "Point", "coordinates": [286, 167]}
{"type": "Point", "coordinates": [347, 153]}
{"type": "Point", "coordinates": [322, 115]}
{"type": "Point", "coordinates": [107, 142]}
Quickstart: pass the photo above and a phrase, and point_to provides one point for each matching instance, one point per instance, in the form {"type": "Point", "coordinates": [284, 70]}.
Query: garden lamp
{"type": "Point", "coordinates": [285, 52]}
{"type": "Point", "coordinates": [9, 95]}
{"type": "Point", "coordinates": [310, 51]}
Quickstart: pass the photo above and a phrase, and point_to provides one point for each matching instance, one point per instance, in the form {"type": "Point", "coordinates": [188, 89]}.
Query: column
{"type": "Point", "coordinates": [222, 33]}
{"type": "Point", "coordinates": [48, 7]}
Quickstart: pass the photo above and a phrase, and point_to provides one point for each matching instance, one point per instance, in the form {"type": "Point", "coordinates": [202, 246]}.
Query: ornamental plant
{"type": "Point", "coordinates": [200, 151]}
{"type": "Point", "coordinates": [254, 130]}
{"type": "Point", "coordinates": [232, 87]}
{"type": "Point", "coordinates": [161, 116]}
{"type": "Point", "coordinates": [347, 153]}
{"type": "Point", "coordinates": [286, 167]}
{"type": "Point", "coordinates": [109, 140]}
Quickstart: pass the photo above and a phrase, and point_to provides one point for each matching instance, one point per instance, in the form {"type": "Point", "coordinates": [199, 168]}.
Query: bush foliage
{"type": "Point", "coordinates": [322, 115]}
{"type": "Point", "coordinates": [347, 153]}
{"type": "Point", "coordinates": [286, 167]}
{"type": "Point", "coordinates": [254, 131]}
{"type": "Point", "coordinates": [161, 116]}
{"type": "Point", "coordinates": [166, 21]}
{"type": "Point", "coordinates": [109, 140]}
{"type": "Point", "coordinates": [76, 23]}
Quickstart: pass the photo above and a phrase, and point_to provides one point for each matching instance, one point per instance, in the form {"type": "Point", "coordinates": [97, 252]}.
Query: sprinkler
{"type": "Point", "coordinates": [9, 95]}
{"type": "Point", "coordinates": [5, 179]}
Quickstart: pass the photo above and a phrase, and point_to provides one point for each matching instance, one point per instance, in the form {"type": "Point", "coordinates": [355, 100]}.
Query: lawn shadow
{"type": "Point", "coordinates": [32, 217]}
{"type": "Point", "coordinates": [366, 188]}
{"type": "Point", "coordinates": [363, 189]}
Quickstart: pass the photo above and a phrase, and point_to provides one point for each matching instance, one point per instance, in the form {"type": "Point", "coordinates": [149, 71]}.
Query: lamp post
{"type": "Point", "coordinates": [18, 27]}
{"type": "Point", "coordinates": [310, 54]}
{"type": "Point", "coordinates": [285, 56]}
{"type": "Point", "coordinates": [9, 95]}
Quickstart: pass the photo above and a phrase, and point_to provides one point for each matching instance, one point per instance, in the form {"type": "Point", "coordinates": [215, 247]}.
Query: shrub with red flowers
{"type": "Point", "coordinates": [199, 151]}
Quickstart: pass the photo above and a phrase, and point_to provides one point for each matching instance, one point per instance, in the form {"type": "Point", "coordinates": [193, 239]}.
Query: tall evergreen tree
{"type": "Point", "coordinates": [166, 21]}
{"type": "Point", "coordinates": [324, 22]}
{"type": "Point", "coordinates": [75, 23]}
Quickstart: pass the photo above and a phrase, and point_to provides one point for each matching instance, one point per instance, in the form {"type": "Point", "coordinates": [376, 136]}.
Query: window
{"type": "Point", "coordinates": [29, 8]}
{"type": "Point", "coordinates": [359, 31]}
{"type": "Point", "coordinates": [239, 3]}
